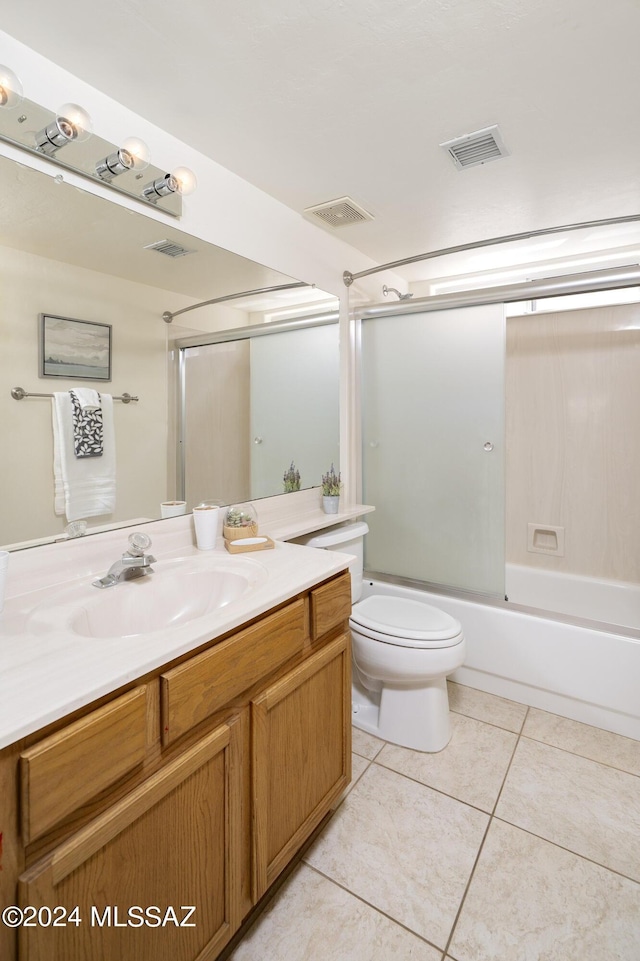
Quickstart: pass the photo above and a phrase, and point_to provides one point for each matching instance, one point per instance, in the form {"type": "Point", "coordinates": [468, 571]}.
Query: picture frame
{"type": "Point", "coordinates": [76, 349]}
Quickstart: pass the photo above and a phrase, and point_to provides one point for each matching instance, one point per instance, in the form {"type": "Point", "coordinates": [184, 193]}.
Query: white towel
{"type": "Point", "coordinates": [87, 398]}
{"type": "Point", "coordinates": [86, 486]}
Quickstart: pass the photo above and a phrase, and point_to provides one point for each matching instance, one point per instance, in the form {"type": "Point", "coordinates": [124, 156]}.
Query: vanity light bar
{"type": "Point", "coordinates": [72, 123]}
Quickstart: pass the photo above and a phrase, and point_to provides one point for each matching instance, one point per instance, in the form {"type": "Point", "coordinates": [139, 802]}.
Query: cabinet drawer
{"type": "Point", "coordinates": [203, 685]}
{"type": "Point", "coordinates": [330, 605]}
{"type": "Point", "coordinates": [63, 771]}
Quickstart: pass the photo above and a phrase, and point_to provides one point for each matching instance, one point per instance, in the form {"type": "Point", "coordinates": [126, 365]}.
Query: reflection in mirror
{"type": "Point", "coordinates": [70, 254]}
{"type": "Point", "coordinates": [255, 405]}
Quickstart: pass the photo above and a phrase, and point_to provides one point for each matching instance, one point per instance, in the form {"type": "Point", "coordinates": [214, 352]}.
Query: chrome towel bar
{"type": "Point", "coordinates": [19, 393]}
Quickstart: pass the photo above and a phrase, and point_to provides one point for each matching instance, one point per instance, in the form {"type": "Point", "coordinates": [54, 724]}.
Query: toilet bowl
{"type": "Point", "coordinates": [403, 651]}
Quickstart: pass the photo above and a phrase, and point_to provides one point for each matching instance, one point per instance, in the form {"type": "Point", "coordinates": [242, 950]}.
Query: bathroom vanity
{"type": "Point", "coordinates": [148, 822]}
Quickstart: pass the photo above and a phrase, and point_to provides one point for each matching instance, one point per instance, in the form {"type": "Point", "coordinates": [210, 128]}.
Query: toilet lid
{"type": "Point", "coordinates": [404, 619]}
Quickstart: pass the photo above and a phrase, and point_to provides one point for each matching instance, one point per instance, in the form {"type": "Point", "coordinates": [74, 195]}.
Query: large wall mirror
{"type": "Point", "coordinates": [67, 253]}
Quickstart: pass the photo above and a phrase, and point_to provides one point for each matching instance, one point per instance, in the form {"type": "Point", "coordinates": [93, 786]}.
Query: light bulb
{"type": "Point", "coordinates": [10, 89]}
{"type": "Point", "coordinates": [139, 152]}
{"type": "Point", "coordinates": [185, 179]}
{"type": "Point", "coordinates": [74, 122]}
{"type": "Point", "coordinates": [71, 123]}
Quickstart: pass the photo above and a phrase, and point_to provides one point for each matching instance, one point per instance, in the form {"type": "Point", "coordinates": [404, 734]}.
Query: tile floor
{"type": "Point", "coordinates": [519, 842]}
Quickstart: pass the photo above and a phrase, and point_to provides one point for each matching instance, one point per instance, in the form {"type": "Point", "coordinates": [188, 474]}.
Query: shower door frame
{"type": "Point", "coordinates": [614, 278]}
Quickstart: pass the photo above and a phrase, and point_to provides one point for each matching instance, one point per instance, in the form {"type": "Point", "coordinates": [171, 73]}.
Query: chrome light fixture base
{"type": "Point", "coordinates": [56, 134]}
{"type": "Point", "coordinates": [161, 187]}
{"type": "Point", "coordinates": [37, 130]}
{"type": "Point", "coordinates": [115, 164]}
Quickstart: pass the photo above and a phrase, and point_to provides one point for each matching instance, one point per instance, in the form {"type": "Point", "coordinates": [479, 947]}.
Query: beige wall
{"type": "Point", "coordinates": [30, 285]}
{"type": "Point", "coordinates": [573, 438]}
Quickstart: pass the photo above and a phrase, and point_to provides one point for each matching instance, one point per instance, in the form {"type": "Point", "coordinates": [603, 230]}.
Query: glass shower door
{"type": "Point", "coordinates": [433, 446]}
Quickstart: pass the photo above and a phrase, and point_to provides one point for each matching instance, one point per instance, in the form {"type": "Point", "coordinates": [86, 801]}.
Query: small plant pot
{"type": "Point", "coordinates": [235, 533]}
{"type": "Point", "coordinates": [330, 503]}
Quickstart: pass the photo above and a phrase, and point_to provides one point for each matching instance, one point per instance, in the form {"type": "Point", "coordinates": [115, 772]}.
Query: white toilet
{"type": "Point", "coordinates": [403, 651]}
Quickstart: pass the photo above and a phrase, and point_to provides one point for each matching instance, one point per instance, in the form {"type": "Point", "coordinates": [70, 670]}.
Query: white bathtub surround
{"type": "Point", "coordinates": [605, 601]}
{"type": "Point", "coordinates": [588, 675]}
{"type": "Point", "coordinates": [572, 397]}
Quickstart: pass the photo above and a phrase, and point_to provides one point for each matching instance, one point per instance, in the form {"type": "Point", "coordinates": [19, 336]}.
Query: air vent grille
{"type": "Point", "coordinates": [476, 148]}
{"type": "Point", "coordinates": [339, 213]}
{"type": "Point", "coordinates": [169, 248]}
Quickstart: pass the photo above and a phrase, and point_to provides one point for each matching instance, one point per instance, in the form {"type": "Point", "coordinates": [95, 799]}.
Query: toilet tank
{"type": "Point", "coordinates": [347, 538]}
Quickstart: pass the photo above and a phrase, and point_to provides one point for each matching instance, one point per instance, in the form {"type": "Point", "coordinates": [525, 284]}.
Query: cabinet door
{"type": "Point", "coordinates": [301, 756]}
{"type": "Point", "coordinates": [173, 843]}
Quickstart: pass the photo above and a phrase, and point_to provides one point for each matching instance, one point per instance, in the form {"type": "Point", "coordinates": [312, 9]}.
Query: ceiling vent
{"type": "Point", "coordinates": [339, 213]}
{"type": "Point", "coordinates": [169, 248]}
{"type": "Point", "coordinates": [476, 148]}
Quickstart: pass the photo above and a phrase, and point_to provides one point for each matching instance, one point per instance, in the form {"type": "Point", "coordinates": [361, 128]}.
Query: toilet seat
{"type": "Point", "coordinates": [405, 623]}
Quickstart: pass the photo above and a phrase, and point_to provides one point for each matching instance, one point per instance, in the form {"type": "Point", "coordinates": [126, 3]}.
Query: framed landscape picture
{"type": "Point", "coordinates": [74, 348]}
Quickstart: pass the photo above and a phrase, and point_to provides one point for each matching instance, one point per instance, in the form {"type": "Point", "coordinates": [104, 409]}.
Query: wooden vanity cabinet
{"type": "Point", "coordinates": [190, 801]}
{"type": "Point", "coordinates": [300, 756]}
{"type": "Point", "coordinates": [172, 843]}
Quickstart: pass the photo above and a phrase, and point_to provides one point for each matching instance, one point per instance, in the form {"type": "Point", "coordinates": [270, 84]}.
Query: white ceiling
{"type": "Point", "coordinates": [311, 100]}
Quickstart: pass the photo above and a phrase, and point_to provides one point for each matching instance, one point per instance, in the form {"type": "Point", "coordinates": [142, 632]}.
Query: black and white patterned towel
{"type": "Point", "coordinates": [87, 429]}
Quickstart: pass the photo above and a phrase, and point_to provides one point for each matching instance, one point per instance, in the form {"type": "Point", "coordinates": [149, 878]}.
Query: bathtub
{"type": "Point", "coordinates": [610, 602]}
{"type": "Point", "coordinates": [589, 674]}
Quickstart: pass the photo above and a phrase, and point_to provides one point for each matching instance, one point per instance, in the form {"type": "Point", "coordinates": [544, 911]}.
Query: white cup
{"type": "Point", "coordinates": [205, 521]}
{"type": "Point", "coordinates": [4, 567]}
{"type": "Point", "coordinates": [173, 508]}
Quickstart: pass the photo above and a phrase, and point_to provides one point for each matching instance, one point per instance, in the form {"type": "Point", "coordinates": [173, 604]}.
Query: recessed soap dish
{"type": "Point", "coordinates": [545, 539]}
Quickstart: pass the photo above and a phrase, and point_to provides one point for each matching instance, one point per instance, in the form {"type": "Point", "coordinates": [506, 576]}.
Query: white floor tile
{"type": "Point", "coordinates": [486, 707]}
{"type": "Point", "coordinates": [403, 848]}
{"type": "Point", "coordinates": [532, 901]}
{"type": "Point", "coordinates": [366, 744]}
{"type": "Point", "coordinates": [583, 739]}
{"type": "Point", "coordinates": [312, 919]}
{"type": "Point", "coordinates": [471, 767]}
{"type": "Point", "coordinates": [591, 809]}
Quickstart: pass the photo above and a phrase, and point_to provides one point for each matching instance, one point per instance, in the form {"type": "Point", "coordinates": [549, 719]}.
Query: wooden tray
{"type": "Point", "coordinates": [242, 548]}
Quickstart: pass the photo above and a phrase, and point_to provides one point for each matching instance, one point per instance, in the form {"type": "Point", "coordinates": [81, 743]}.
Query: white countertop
{"type": "Point", "coordinates": [47, 674]}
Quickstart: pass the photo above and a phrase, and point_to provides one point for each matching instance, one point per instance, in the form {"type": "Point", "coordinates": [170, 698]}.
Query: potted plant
{"type": "Point", "coordinates": [291, 479]}
{"type": "Point", "coordinates": [240, 522]}
{"type": "Point", "coordinates": [331, 491]}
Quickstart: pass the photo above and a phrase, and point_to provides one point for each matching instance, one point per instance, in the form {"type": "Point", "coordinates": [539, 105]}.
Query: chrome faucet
{"type": "Point", "coordinates": [133, 563]}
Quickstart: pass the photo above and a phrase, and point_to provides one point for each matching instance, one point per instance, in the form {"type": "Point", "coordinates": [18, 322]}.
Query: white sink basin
{"type": "Point", "coordinates": [178, 592]}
